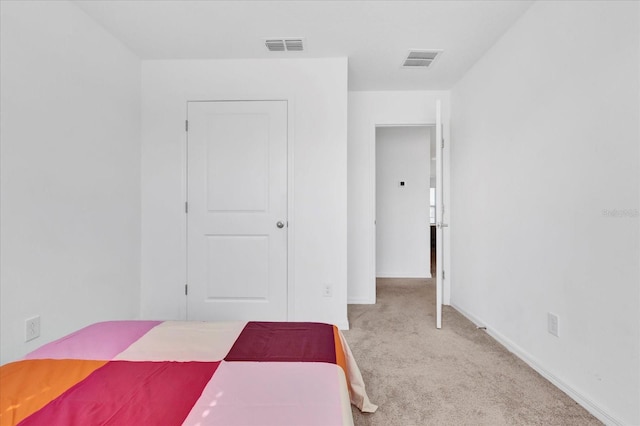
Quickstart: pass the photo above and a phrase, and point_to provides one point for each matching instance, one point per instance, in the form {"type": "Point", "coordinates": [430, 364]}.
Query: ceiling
{"type": "Point", "coordinates": [375, 35]}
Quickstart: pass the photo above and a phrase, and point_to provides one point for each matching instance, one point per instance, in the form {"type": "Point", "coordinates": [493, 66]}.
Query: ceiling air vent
{"type": "Point", "coordinates": [420, 58]}
{"type": "Point", "coordinates": [275, 45]}
{"type": "Point", "coordinates": [294, 45]}
{"type": "Point", "coordinates": [284, 44]}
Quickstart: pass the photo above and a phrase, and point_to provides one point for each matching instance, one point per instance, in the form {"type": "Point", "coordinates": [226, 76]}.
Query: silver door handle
{"type": "Point", "coordinates": [280, 224]}
{"type": "Point", "coordinates": [442, 225]}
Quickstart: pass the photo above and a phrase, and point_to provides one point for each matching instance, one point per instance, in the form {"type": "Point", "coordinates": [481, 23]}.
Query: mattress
{"type": "Point", "coordinates": [187, 372]}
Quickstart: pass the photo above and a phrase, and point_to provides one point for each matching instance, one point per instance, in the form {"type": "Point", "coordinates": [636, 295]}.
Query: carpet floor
{"type": "Point", "coordinates": [458, 375]}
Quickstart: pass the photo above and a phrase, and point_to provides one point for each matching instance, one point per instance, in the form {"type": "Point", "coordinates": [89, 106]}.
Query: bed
{"type": "Point", "coordinates": [187, 372]}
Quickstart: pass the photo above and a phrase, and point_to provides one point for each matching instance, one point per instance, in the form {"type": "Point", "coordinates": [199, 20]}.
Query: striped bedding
{"type": "Point", "coordinates": [186, 372]}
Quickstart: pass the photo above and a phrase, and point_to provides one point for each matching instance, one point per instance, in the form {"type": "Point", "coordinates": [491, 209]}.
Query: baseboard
{"type": "Point", "coordinates": [593, 408]}
{"type": "Point", "coordinates": [361, 301]}
{"type": "Point", "coordinates": [400, 276]}
{"type": "Point", "coordinates": [343, 325]}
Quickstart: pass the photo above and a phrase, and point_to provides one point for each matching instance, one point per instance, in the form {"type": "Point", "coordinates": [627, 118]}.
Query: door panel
{"type": "Point", "coordinates": [238, 162]}
{"type": "Point", "coordinates": [237, 193]}
{"type": "Point", "coordinates": [228, 277]}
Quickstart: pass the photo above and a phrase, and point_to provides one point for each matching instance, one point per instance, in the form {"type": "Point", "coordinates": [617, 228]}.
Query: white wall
{"type": "Point", "coordinates": [366, 110]}
{"type": "Point", "coordinates": [544, 147]}
{"type": "Point", "coordinates": [70, 172]}
{"type": "Point", "coordinates": [403, 233]}
{"type": "Point", "coordinates": [317, 89]}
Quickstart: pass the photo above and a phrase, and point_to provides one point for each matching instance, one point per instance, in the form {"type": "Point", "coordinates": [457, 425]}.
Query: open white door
{"type": "Point", "coordinates": [439, 215]}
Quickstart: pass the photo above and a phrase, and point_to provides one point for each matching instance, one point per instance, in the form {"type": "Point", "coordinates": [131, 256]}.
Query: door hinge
{"type": "Point", "coordinates": [186, 207]}
{"type": "Point", "coordinates": [442, 136]}
{"type": "Point", "coordinates": [443, 275]}
{"type": "Point", "coordinates": [186, 125]}
{"type": "Point", "coordinates": [186, 289]}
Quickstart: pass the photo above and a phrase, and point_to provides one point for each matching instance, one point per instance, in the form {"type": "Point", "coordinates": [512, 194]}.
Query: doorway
{"type": "Point", "coordinates": [433, 200]}
{"type": "Point", "coordinates": [403, 201]}
{"type": "Point", "coordinates": [441, 159]}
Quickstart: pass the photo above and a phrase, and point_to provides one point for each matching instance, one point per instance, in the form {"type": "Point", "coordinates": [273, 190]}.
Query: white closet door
{"type": "Point", "coordinates": [237, 224]}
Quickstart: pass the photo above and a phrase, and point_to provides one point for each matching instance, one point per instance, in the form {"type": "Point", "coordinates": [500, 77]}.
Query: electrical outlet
{"type": "Point", "coordinates": [32, 330]}
{"type": "Point", "coordinates": [552, 324]}
{"type": "Point", "coordinates": [327, 290]}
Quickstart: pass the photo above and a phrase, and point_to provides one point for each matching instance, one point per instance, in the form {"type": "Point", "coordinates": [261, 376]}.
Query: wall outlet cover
{"type": "Point", "coordinates": [32, 328]}
{"type": "Point", "coordinates": [327, 290]}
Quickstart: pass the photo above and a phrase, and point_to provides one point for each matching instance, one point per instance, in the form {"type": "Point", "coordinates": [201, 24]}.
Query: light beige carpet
{"type": "Point", "coordinates": [454, 376]}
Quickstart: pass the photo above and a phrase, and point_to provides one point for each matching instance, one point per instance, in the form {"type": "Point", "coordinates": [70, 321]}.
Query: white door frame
{"type": "Point", "coordinates": [440, 214]}
{"type": "Point", "coordinates": [290, 186]}
{"type": "Point", "coordinates": [372, 207]}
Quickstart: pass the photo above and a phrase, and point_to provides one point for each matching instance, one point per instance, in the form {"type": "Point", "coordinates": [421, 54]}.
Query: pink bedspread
{"type": "Point", "coordinates": [225, 373]}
